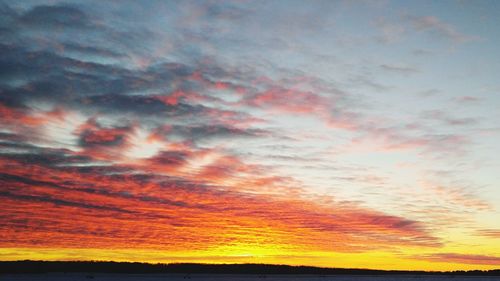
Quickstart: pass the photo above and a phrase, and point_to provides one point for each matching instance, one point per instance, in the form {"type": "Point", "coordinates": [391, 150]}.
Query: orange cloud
{"type": "Point", "coordinates": [489, 233]}
{"type": "Point", "coordinates": [461, 258]}
{"type": "Point", "coordinates": [76, 207]}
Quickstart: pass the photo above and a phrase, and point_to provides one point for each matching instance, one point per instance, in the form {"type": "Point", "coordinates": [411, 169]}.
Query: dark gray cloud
{"type": "Point", "coordinates": [11, 138]}
{"type": "Point", "coordinates": [48, 76]}
{"type": "Point", "coordinates": [171, 158]}
{"type": "Point", "coordinates": [34, 76]}
{"type": "Point", "coordinates": [91, 50]}
{"type": "Point", "coordinates": [60, 202]}
{"type": "Point", "coordinates": [140, 104]}
{"type": "Point", "coordinates": [92, 87]}
{"type": "Point", "coordinates": [104, 136]}
{"type": "Point", "coordinates": [9, 179]}
{"type": "Point", "coordinates": [59, 71]}
{"type": "Point", "coordinates": [201, 132]}
{"type": "Point", "coordinates": [62, 16]}
{"type": "Point", "coordinates": [41, 156]}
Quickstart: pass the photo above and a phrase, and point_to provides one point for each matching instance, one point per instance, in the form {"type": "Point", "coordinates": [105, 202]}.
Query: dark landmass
{"type": "Point", "coordinates": [28, 266]}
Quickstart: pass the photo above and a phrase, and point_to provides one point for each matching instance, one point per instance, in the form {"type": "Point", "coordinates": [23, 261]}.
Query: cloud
{"type": "Point", "coordinates": [45, 156]}
{"type": "Point", "coordinates": [467, 99]}
{"type": "Point", "coordinates": [390, 32]}
{"type": "Point", "coordinates": [378, 138]}
{"type": "Point", "coordinates": [48, 76]}
{"type": "Point", "coordinates": [56, 202]}
{"type": "Point", "coordinates": [90, 50]}
{"type": "Point", "coordinates": [460, 258]}
{"type": "Point", "coordinates": [170, 158]}
{"type": "Point", "coordinates": [204, 132]}
{"type": "Point", "coordinates": [435, 26]}
{"type": "Point", "coordinates": [124, 130]}
{"type": "Point", "coordinates": [303, 97]}
{"type": "Point", "coordinates": [62, 16]}
{"type": "Point", "coordinates": [402, 69]}
{"type": "Point", "coordinates": [141, 105]}
{"type": "Point", "coordinates": [489, 233]}
{"type": "Point", "coordinates": [455, 193]}
{"type": "Point", "coordinates": [297, 101]}
{"type": "Point", "coordinates": [130, 202]}
{"type": "Point", "coordinates": [93, 134]}
{"type": "Point", "coordinates": [17, 116]}
{"type": "Point", "coordinates": [446, 119]}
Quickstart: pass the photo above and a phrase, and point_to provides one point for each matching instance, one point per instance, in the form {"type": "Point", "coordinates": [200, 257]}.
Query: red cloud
{"type": "Point", "coordinates": [177, 96]}
{"type": "Point", "coordinates": [103, 143]}
{"type": "Point", "coordinates": [27, 117]}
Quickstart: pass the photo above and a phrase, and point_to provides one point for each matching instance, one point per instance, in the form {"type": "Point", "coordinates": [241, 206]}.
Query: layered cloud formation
{"type": "Point", "coordinates": [214, 132]}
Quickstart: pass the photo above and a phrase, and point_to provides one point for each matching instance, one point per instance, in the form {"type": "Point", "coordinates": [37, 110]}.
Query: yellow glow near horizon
{"type": "Point", "coordinates": [368, 260]}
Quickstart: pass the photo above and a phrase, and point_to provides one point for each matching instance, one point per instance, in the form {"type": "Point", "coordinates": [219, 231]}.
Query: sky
{"type": "Point", "coordinates": [361, 134]}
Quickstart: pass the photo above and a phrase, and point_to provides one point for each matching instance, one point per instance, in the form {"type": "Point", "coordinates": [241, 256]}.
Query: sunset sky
{"type": "Point", "coordinates": [361, 134]}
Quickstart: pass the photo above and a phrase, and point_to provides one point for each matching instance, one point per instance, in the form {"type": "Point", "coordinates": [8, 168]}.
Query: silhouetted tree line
{"type": "Point", "coordinates": [28, 266]}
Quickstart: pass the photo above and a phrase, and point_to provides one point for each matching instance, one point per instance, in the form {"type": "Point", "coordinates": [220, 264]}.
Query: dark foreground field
{"type": "Point", "coordinates": [231, 277]}
{"type": "Point", "coordinates": [123, 271]}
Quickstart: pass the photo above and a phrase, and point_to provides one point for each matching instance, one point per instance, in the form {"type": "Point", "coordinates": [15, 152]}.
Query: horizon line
{"type": "Point", "coordinates": [182, 267]}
